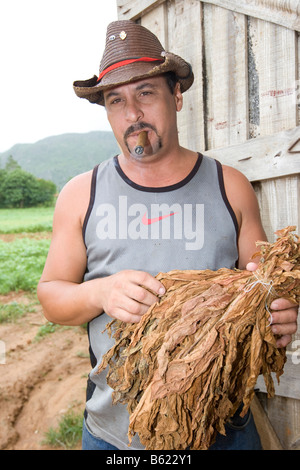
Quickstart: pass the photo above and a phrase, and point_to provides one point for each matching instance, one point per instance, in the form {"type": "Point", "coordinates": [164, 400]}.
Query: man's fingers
{"type": "Point", "coordinates": [283, 341]}
{"type": "Point", "coordinates": [284, 316]}
{"type": "Point", "coordinates": [127, 317]}
{"type": "Point", "coordinates": [150, 283]}
{"type": "Point", "coordinates": [283, 304]}
{"type": "Point", "coordinates": [284, 320]}
{"type": "Point", "coordinates": [142, 295]}
{"type": "Point", "coordinates": [251, 266]}
{"type": "Point", "coordinates": [284, 329]}
{"type": "Point", "coordinates": [130, 293]}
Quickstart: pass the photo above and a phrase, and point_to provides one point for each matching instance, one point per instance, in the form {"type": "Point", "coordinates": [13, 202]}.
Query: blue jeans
{"type": "Point", "coordinates": [90, 442]}
{"type": "Point", "coordinates": [241, 434]}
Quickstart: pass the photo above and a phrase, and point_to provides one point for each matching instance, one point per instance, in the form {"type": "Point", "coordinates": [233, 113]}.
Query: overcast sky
{"type": "Point", "coordinates": [44, 46]}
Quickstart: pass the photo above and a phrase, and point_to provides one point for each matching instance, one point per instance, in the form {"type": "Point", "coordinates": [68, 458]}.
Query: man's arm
{"type": "Point", "coordinates": [65, 298]}
{"type": "Point", "coordinates": [244, 203]}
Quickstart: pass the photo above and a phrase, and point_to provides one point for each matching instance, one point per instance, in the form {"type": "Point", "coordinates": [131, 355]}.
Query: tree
{"type": "Point", "coordinates": [12, 164]}
{"type": "Point", "coordinates": [19, 188]}
{"type": "Point", "coordinates": [45, 191]}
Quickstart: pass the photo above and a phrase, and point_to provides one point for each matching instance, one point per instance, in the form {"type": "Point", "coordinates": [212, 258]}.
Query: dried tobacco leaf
{"type": "Point", "coordinates": [195, 356]}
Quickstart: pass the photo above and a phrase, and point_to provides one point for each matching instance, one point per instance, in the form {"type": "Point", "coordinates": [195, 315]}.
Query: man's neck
{"type": "Point", "coordinates": [160, 171]}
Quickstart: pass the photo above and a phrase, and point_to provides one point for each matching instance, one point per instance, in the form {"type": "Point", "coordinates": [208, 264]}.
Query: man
{"type": "Point", "coordinates": [164, 207]}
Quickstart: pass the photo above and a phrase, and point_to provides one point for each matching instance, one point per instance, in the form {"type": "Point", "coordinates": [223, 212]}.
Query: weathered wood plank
{"type": "Point", "coordinates": [134, 9]}
{"type": "Point", "coordinates": [298, 81]}
{"type": "Point", "coordinates": [264, 157]}
{"type": "Point", "coordinates": [268, 437]}
{"type": "Point", "coordinates": [279, 203]}
{"type": "Point", "coordinates": [284, 414]}
{"type": "Point", "coordinates": [275, 53]}
{"type": "Point", "coordinates": [156, 20]}
{"type": "Point", "coordinates": [226, 76]}
{"type": "Point", "coordinates": [186, 41]}
{"type": "Point", "coordinates": [283, 12]}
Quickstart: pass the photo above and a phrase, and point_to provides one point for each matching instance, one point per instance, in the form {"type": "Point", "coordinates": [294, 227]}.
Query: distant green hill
{"type": "Point", "coordinates": [59, 158]}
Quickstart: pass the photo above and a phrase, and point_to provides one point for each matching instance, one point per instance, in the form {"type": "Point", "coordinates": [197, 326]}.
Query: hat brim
{"type": "Point", "coordinates": [92, 90]}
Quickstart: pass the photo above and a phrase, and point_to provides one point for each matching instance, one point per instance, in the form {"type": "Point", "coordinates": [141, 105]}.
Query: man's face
{"type": "Point", "coordinates": [143, 105]}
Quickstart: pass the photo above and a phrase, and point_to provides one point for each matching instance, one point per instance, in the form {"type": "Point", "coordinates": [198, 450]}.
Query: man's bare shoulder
{"type": "Point", "coordinates": [78, 186]}
{"type": "Point", "coordinates": [233, 174]}
{"type": "Point", "coordinates": [236, 183]}
{"type": "Point", "coordinates": [80, 181]}
{"type": "Point", "coordinates": [239, 191]}
{"type": "Point", "coordinates": [73, 199]}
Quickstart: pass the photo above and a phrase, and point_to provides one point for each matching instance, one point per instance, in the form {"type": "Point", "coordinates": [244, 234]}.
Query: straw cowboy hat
{"type": "Point", "coordinates": [132, 53]}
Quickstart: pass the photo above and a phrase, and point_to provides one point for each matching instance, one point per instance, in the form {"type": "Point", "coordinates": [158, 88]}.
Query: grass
{"type": "Point", "coordinates": [29, 220]}
{"type": "Point", "coordinates": [46, 329]}
{"type": "Point", "coordinates": [68, 433]}
{"type": "Point", "coordinates": [22, 262]}
{"type": "Point", "coordinates": [9, 313]}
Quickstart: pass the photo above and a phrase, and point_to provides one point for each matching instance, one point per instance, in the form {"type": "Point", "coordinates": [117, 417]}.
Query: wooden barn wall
{"type": "Point", "coordinates": [244, 110]}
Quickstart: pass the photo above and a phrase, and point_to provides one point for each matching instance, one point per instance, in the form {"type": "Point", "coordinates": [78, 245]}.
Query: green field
{"type": "Point", "coordinates": [30, 220]}
{"type": "Point", "coordinates": [22, 262]}
{"type": "Point", "coordinates": [22, 259]}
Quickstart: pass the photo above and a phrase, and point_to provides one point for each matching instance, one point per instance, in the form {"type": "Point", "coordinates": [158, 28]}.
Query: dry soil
{"type": "Point", "coordinates": [40, 380]}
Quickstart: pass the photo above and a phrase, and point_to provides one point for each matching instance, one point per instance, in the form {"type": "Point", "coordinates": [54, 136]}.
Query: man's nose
{"type": "Point", "coordinates": [133, 111]}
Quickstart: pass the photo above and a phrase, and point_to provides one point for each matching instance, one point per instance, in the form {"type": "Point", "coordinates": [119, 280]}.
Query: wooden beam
{"type": "Point", "coordinates": [134, 9]}
{"type": "Point", "coordinates": [263, 158]}
{"type": "Point", "coordinates": [282, 12]}
{"type": "Point", "coordinates": [268, 437]}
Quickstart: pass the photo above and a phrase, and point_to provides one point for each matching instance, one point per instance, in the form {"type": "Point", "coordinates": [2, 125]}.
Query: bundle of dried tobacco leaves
{"type": "Point", "coordinates": [185, 368]}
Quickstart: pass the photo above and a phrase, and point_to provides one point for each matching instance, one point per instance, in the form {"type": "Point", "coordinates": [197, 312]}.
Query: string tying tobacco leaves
{"type": "Point", "coordinates": [195, 356]}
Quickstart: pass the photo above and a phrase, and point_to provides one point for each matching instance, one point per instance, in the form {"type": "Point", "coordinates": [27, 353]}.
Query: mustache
{"type": "Point", "coordinates": [138, 127]}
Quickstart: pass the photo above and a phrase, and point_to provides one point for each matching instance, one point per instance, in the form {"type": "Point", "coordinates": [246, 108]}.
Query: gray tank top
{"type": "Point", "coordinates": [189, 225]}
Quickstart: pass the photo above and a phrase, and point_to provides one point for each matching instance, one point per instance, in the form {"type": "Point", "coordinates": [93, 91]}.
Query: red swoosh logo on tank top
{"type": "Point", "coordinates": [147, 221]}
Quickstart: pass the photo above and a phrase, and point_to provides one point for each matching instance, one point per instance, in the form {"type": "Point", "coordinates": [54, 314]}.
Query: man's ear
{"type": "Point", "coordinates": [178, 97]}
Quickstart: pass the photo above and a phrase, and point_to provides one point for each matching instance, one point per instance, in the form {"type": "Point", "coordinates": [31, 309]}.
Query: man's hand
{"type": "Point", "coordinates": [284, 315]}
{"type": "Point", "coordinates": [127, 295]}
{"type": "Point", "coordinates": [283, 320]}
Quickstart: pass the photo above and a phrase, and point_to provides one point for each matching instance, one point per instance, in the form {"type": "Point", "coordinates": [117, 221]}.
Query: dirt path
{"type": "Point", "coordinates": [40, 380]}
{"type": "Point", "coordinates": [10, 237]}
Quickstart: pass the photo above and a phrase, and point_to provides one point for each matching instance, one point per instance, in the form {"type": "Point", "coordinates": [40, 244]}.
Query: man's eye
{"type": "Point", "coordinates": [116, 101]}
